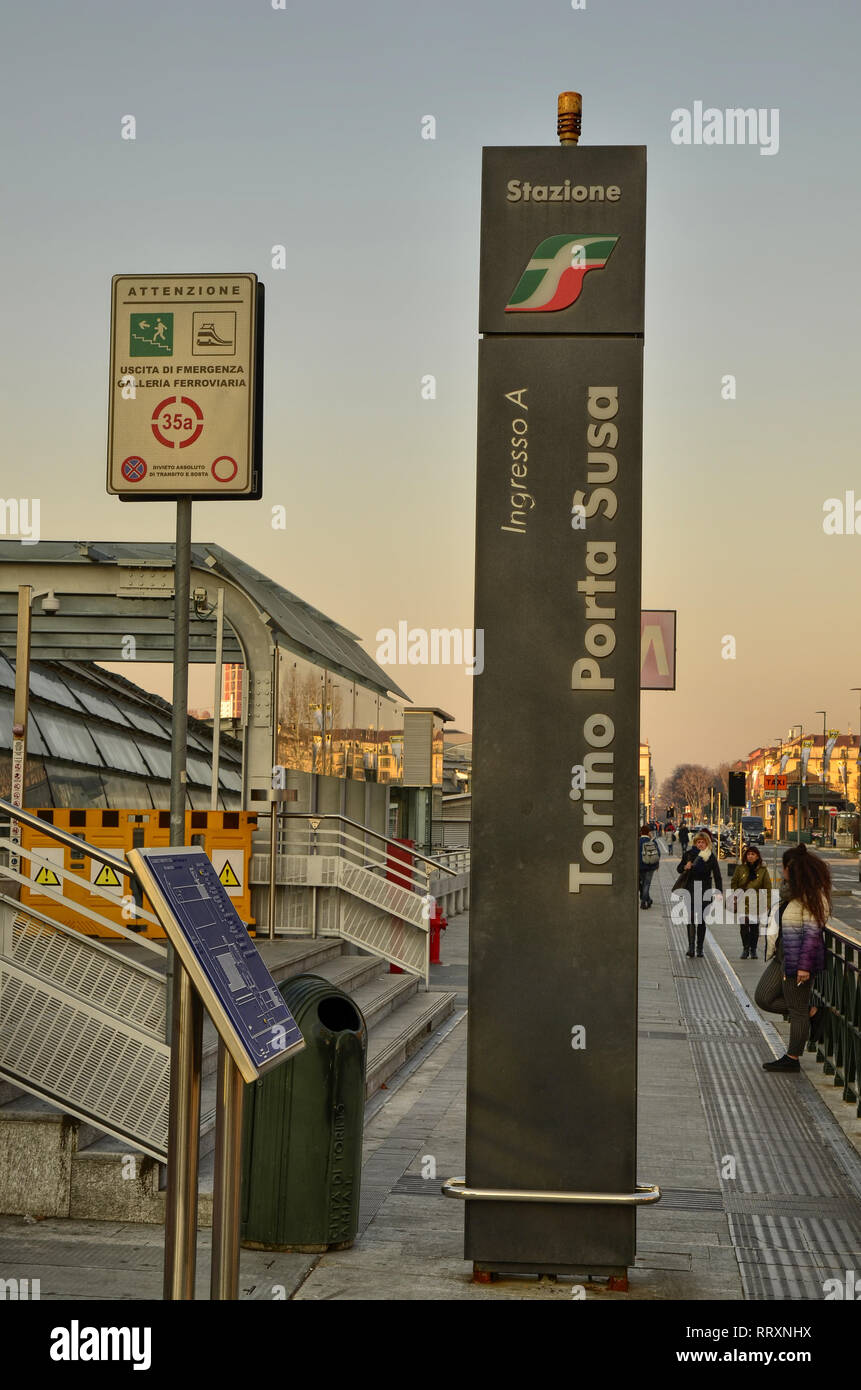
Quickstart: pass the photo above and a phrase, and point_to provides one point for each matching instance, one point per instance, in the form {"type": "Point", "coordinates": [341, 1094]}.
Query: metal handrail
{"type": "Point", "coordinates": [63, 837]}
{"type": "Point", "coordinates": [399, 871]}
{"type": "Point", "coordinates": [93, 942]}
{"type": "Point", "coordinates": [837, 991]}
{"type": "Point", "coordinates": [851, 935]}
{"type": "Point", "coordinates": [47, 892]}
{"type": "Point", "coordinates": [357, 825]}
{"type": "Point", "coordinates": [141, 913]}
{"type": "Point", "coordinates": [641, 1196]}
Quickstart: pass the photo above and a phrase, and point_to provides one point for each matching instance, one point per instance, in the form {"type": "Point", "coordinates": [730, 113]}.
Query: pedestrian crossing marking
{"type": "Point", "coordinates": [107, 878]}
{"type": "Point", "coordinates": [47, 878]}
{"type": "Point", "coordinates": [227, 878]}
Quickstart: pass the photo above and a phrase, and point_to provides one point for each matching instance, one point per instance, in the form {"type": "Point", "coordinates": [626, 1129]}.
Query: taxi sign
{"type": "Point", "coordinates": [774, 781]}
{"type": "Point", "coordinates": [184, 413]}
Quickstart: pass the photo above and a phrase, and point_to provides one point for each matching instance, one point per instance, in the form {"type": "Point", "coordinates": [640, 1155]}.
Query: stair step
{"type": "Point", "coordinates": [402, 1033]}
{"type": "Point", "coordinates": [285, 957]}
{"type": "Point", "coordinates": [381, 996]}
{"type": "Point", "coordinates": [350, 973]}
{"type": "Point", "coordinates": [8, 1091]}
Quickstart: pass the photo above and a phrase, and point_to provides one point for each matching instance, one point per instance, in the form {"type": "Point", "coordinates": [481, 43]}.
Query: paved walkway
{"type": "Point", "coordinates": [762, 1189]}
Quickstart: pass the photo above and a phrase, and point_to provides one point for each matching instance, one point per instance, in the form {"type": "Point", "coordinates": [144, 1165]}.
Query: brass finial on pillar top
{"type": "Point", "coordinates": [569, 110]}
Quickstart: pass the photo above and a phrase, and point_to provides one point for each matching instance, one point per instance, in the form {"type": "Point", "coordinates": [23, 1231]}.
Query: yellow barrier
{"type": "Point", "coordinates": [224, 835]}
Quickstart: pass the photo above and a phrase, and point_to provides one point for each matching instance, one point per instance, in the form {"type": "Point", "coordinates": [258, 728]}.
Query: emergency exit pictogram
{"type": "Point", "coordinates": [177, 421]}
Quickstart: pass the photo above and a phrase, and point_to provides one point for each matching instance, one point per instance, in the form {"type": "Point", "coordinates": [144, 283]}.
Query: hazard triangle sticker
{"type": "Point", "coordinates": [227, 878]}
{"type": "Point", "coordinates": [46, 878]}
{"type": "Point", "coordinates": [107, 878]}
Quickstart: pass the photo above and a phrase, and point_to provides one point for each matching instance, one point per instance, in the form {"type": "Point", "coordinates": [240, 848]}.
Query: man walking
{"type": "Point", "coordinates": [650, 857]}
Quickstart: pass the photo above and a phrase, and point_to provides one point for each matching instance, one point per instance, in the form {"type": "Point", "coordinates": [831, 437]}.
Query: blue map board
{"type": "Point", "coordinates": [222, 959]}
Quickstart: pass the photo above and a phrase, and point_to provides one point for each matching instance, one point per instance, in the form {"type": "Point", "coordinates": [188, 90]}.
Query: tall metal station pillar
{"type": "Point", "coordinates": [550, 1181]}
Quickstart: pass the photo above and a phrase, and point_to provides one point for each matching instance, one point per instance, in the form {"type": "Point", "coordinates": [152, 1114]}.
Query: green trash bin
{"type": "Point", "coordinates": [302, 1129]}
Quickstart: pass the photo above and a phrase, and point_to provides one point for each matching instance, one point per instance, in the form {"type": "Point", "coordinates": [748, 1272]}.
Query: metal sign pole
{"type": "Point", "coordinates": [224, 1281]}
{"type": "Point", "coordinates": [180, 1232]}
{"type": "Point", "coordinates": [20, 713]}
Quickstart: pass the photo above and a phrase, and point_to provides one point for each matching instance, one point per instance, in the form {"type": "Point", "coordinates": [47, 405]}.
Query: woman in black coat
{"type": "Point", "coordinates": [702, 872]}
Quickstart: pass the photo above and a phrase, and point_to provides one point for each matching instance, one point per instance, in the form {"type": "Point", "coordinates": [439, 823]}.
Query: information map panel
{"type": "Point", "coordinates": [227, 970]}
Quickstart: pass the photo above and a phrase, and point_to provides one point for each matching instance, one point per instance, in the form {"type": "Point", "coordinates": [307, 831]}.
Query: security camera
{"type": "Point", "coordinates": [50, 603]}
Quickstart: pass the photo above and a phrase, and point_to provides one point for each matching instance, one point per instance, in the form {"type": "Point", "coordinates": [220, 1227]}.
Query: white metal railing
{"type": "Point", "coordinates": [45, 890]}
{"type": "Point", "coordinates": [299, 833]}
{"type": "Point", "coordinates": [82, 1023]}
{"type": "Point", "coordinates": [456, 860]}
{"type": "Point", "coordinates": [387, 888]}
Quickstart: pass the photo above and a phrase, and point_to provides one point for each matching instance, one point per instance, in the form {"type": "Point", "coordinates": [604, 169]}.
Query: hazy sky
{"type": "Point", "coordinates": [302, 126]}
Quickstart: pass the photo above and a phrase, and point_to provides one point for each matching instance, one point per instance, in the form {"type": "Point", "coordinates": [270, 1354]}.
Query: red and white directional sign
{"type": "Point", "coordinates": [182, 400]}
{"type": "Point", "coordinates": [657, 650]}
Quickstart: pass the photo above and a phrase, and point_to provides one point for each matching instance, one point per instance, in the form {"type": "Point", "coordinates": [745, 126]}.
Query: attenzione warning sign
{"type": "Point", "coordinates": [183, 388]}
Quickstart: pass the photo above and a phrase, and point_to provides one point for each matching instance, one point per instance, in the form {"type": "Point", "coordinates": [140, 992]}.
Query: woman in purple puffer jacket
{"type": "Point", "coordinates": [800, 952]}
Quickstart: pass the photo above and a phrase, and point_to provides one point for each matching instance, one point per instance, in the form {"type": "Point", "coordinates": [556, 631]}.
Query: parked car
{"type": "Point", "coordinates": [753, 830]}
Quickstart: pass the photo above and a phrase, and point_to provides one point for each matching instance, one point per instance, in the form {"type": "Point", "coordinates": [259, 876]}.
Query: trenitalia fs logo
{"type": "Point", "coordinates": [554, 275]}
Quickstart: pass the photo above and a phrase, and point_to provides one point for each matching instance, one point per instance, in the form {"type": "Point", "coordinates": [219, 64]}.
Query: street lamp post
{"type": "Point", "coordinates": [856, 689]}
{"type": "Point", "coordinates": [779, 743]}
{"type": "Point", "coordinates": [800, 728]}
{"type": "Point", "coordinates": [824, 741]}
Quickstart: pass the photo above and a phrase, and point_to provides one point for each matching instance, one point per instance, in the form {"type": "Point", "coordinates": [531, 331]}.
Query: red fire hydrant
{"type": "Point", "coordinates": [437, 924]}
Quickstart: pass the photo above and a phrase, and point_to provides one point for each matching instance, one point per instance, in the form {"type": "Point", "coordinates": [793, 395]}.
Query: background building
{"type": "Point", "coordinates": [231, 691]}
{"type": "Point", "coordinates": [647, 784]}
{"type": "Point", "coordinates": [95, 739]}
{"type": "Point", "coordinates": [824, 786]}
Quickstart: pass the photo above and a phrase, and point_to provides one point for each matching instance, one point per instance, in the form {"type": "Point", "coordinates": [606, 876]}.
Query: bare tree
{"type": "Point", "coordinates": [688, 784]}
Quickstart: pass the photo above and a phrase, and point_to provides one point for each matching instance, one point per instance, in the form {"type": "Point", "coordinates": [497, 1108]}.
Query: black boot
{"type": "Point", "coordinates": [691, 939]}
{"type": "Point", "coordinates": [754, 941]}
{"type": "Point", "coordinates": [745, 940]}
{"type": "Point", "coordinates": [701, 936]}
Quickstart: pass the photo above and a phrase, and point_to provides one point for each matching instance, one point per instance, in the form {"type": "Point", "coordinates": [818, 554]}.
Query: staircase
{"type": "Point", "coordinates": [84, 1069]}
{"type": "Point", "coordinates": [57, 1161]}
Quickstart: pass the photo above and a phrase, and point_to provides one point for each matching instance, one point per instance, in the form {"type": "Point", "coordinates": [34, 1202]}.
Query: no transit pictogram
{"type": "Point", "coordinates": [177, 421]}
{"type": "Point", "coordinates": [224, 468]}
{"type": "Point", "coordinates": [133, 469]}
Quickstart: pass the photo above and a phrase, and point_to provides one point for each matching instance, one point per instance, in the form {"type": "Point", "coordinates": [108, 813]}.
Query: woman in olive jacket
{"type": "Point", "coordinates": [701, 869]}
{"type": "Point", "coordinates": [751, 879]}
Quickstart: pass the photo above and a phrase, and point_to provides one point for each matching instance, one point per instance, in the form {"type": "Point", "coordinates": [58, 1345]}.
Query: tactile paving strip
{"type": "Point", "coordinates": [794, 1205]}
